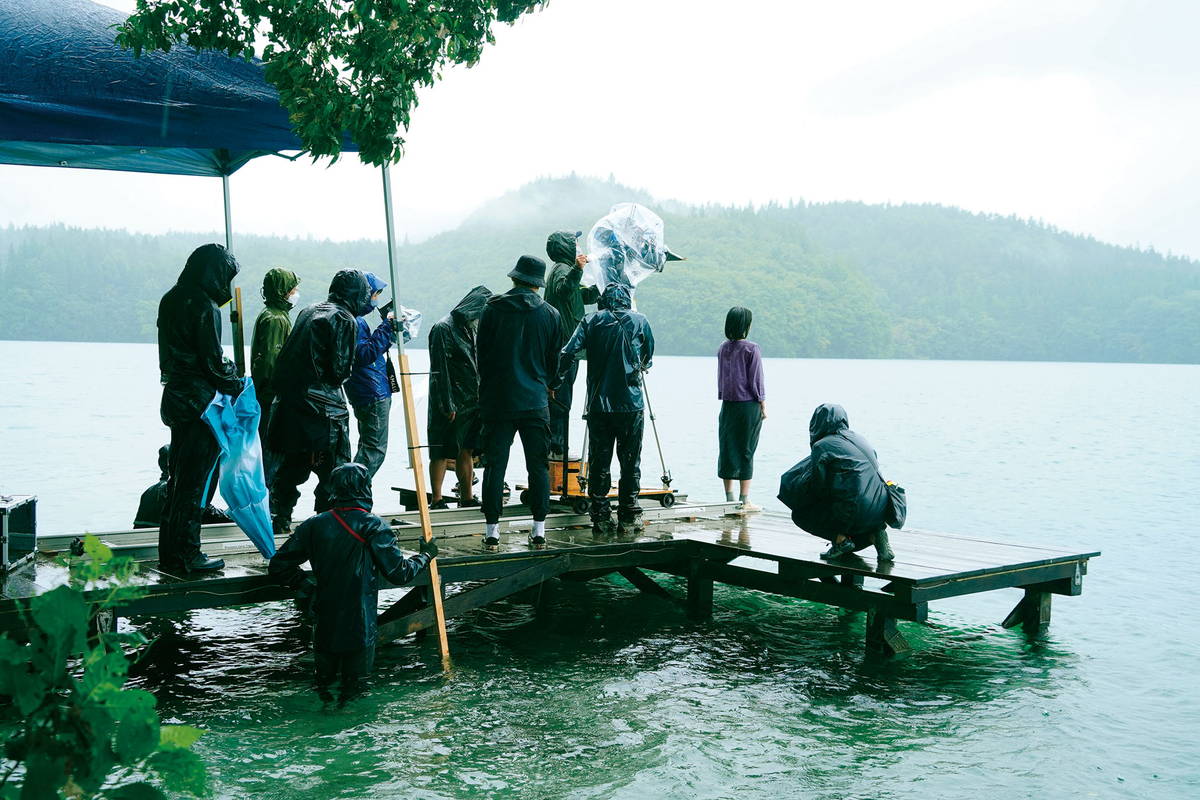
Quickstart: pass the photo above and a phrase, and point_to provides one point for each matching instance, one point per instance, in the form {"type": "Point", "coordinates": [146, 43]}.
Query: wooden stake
{"type": "Point", "coordinates": [239, 333]}
{"type": "Point", "coordinates": [418, 467]}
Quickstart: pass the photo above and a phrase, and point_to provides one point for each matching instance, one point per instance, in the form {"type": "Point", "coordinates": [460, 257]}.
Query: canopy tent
{"type": "Point", "coordinates": [70, 97]}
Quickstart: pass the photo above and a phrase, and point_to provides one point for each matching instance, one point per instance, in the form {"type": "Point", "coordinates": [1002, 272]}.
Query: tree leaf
{"type": "Point", "coordinates": [179, 737]}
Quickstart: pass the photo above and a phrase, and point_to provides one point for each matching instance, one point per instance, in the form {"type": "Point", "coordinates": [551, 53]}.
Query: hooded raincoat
{"type": "Point", "coordinates": [453, 366]}
{"type": "Point", "coordinates": [190, 358]}
{"type": "Point", "coordinates": [310, 413]}
{"type": "Point", "coordinates": [368, 381]}
{"type": "Point", "coordinates": [518, 355]}
{"type": "Point", "coordinates": [837, 489]}
{"type": "Point", "coordinates": [563, 288]}
{"type": "Point", "coordinates": [348, 565]}
{"type": "Point", "coordinates": [154, 500]}
{"type": "Point", "coordinates": [620, 346]}
{"type": "Point", "coordinates": [271, 330]}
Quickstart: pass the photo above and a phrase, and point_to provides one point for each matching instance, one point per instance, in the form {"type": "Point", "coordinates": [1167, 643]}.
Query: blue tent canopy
{"type": "Point", "coordinates": [70, 97]}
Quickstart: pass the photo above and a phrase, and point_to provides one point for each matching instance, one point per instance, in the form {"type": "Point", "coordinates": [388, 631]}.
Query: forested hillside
{"type": "Point", "coordinates": [824, 280]}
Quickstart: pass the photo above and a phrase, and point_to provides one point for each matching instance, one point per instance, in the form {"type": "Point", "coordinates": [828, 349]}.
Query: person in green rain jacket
{"type": "Point", "coordinates": [271, 329]}
{"type": "Point", "coordinates": [565, 292]}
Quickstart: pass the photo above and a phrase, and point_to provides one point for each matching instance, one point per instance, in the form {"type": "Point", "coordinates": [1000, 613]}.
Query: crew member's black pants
{"type": "Point", "coordinates": [270, 457]}
{"type": "Point", "coordinates": [624, 430]}
{"type": "Point", "coordinates": [190, 488]}
{"type": "Point", "coordinates": [352, 667]}
{"type": "Point", "coordinates": [560, 412]}
{"type": "Point", "coordinates": [294, 469]}
{"type": "Point", "coordinates": [497, 441]}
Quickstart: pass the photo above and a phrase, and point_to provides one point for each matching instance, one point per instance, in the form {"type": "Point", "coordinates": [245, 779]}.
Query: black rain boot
{"type": "Point", "coordinates": [838, 549]}
{"type": "Point", "coordinates": [202, 563]}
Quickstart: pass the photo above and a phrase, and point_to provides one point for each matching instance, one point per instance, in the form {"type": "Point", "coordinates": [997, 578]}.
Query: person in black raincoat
{"type": "Point", "coordinates": [193, 369]}
{"type": "Point", "coordinates": [351, 552]}
{"type": "Point", "coordinates": [518, 355]}
{"type": "Point", "coordinates": [310, 424]}
{"type": "Point", "coordinates": [568, 296]}
{"type": "Point", "coordinates": [837, 492]}
{"type": "Point", "coordinates": [154, 500]}
{"type": "Point", "coordinates": [620, 346]}
{"type": "Point", "coordinates": [454, 396]}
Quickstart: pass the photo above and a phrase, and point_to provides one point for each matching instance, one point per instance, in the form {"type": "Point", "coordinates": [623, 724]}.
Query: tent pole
{"type": "Point", "coordinates": [228, 216]}
{"type": "Point", "coordinates": [235, 312]}
{"type": "Point", "coordinates": [410, 423]}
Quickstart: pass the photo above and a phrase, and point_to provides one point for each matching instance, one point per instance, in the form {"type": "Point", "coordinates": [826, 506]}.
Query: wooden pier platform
{"type": "Point", "coordinates": [704, 544]}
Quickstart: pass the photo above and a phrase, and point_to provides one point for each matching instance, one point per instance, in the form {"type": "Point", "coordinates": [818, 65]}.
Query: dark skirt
{"type": "Point", "coordinates": [737, 431]}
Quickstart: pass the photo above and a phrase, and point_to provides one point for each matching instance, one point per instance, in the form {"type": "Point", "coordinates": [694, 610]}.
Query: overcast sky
{"type": "Point", "coordinates": [1082, 113]}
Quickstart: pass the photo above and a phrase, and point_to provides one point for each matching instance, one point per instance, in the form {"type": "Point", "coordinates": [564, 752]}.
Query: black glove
{"type": "Point", "coordinates": [430, 548]}
{"type": "Point", "coordinates": [305, 597]}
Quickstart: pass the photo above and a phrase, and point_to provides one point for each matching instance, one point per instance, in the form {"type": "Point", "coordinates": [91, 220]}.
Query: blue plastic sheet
{"type": "Point", "coordinates": [242, 482]}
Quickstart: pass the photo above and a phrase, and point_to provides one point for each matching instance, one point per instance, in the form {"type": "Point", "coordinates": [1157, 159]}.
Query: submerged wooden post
{"type": "Point", "coordinates": [1032, 613]}
{"type": "Point", "coordinates": [883, 637]}
{"type": "Point", "coordinates": [414, 435]}
{"type": "Point", "coordinates": [699, 591]}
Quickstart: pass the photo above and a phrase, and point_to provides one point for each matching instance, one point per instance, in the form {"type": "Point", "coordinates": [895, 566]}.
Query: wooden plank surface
{"type": "Point", "coordinates": [924, 559]}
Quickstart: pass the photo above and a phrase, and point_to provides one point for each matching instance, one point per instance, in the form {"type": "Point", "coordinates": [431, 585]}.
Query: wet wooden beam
{"type": "Point", "coordinates": [645, 583]}
{"type": "Point", "coordinates": [476, 598]}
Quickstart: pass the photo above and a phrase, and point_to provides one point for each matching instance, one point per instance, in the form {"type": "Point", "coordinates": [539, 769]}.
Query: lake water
{"type": "Point", "coordinates": [608, 693]}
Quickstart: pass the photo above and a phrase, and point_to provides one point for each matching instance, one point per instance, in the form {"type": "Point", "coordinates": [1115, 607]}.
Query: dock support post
{"type": "Point", "coordinates": [699, 592]}
{"type": "Point", "coordinates": [883, 637]}
{"type": "Point", "coordinates": [1032, 613]}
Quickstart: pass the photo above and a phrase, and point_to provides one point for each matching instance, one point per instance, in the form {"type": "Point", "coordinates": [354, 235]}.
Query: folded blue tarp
{"type": "Point", "coordinates": [242, 483]}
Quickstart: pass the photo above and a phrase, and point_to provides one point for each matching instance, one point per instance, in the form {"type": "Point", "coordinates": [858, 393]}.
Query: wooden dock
{"type": "Point", "coordinates": [704, 544]}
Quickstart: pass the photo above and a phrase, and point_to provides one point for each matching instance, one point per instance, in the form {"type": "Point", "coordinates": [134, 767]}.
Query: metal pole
{"type": "Point", "coordinates": [228, 216]}
{"type": "Point", "coordinates": [391, 246]}
{"type": "Point", "coordinates": [414, 436]}
{"type": "Point", "coordinates": [235, 312]}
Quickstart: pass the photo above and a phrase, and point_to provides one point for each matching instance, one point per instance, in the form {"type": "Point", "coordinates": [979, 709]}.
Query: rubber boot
{"type": "Point", "coordinates": [883, 548]}
{"type": "Point", "coordinates": [202, 563]}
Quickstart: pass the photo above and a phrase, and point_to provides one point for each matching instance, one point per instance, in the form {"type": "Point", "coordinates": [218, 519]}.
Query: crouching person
{"type": "Point", "coordinates": [350, 550]}
{"type": "Point", "coordinates": [837, 493]}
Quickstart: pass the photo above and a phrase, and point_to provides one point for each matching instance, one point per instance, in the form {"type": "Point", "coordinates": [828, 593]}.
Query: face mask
{"type": "Point", "coordinates": [294, 297]}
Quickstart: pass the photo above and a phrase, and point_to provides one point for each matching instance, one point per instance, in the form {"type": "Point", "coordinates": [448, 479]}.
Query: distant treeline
{"type": "Point", "coordinates": [823, 280]}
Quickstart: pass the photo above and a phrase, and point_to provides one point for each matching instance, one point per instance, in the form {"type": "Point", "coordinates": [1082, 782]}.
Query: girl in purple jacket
{"type": "Point", "coordinates": [743, 405]}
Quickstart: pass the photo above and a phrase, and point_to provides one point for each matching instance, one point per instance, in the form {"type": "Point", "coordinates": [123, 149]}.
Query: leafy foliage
{"type": "Point", "coordinates": [340, 65]}
{"type": "Point", "coordinates": [83, 734]}
{"type": "Point", "coordinates": [824, 280]}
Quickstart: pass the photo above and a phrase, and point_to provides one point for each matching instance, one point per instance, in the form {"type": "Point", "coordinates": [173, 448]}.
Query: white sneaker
{"type": "Point", "coordinates": [750, 508]}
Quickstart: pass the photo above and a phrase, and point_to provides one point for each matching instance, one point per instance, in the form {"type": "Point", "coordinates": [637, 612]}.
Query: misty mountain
{"type": "Point", "coordinates": [823, 280]}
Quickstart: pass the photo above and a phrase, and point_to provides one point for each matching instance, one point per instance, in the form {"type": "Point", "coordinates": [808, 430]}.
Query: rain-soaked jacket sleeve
{"type": "Point", "coordinates": [284, 567]}
{"type": "Point", "coordinates": [590, 294]}
{"type": "Point", "coordinates": [388, 556]}
{"type": "Point", "coordinates": [270, 332]}
{"type": "Point", "coordinates": [343, 340]}
{"type": "Point", "coordinates": [217, 369]}
{"type": "Point", "coordinates": [441, 397]}
{"type": "Point", "coordinates": [372, 344]}
{"type": "Point", "coordinates": [570, 352]}
{"type": "Point", "coordinates": [647, 345]}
